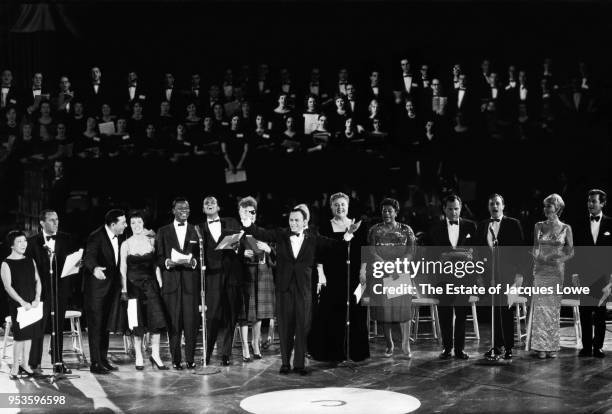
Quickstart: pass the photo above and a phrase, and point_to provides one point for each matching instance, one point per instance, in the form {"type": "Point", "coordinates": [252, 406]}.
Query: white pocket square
{"type": "Point", "coordinates": [192, 241]}
{"type": "Point", "coordinates": [607, 233]}
{"type": "Point", "coordinates": [469, 236]}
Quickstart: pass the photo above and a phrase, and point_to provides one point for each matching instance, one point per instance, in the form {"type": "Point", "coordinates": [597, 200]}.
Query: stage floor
{"type": "Point", "coordinates": [563, 385]}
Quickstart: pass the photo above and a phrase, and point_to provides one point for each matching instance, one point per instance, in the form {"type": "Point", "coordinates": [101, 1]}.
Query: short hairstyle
{"type": "Point", "coordinates": [492, 196]}
{"type": "Point", "coordinates": [209, 198]}
{"type": "Point", "coordinates": [179, 199]}
{"type": "Point", "coordinates": [247, 202]}
{"type": "Point", "coordinates": [451, 198]}
{"type": "Point", "coordinates": [601, 193]}
{"type": "Point", "coordinates": [12, 235]}
{"type": "Point", "coordinates": [555, 200]}
{"type": "Point", "coordinates": [336, 196]}
{"type": "Point", "coordinates": [138, 214]}
{"type": "Point", "coordinates": [112, 216]}
{"type": "Point", "coordinates": [299, 210]}
{"type": "Point", "coordinates": [43, 214]}
{"type": "Point", "coordinates": [390, 202]}
{"type": "Point", "coordinates": [305, 209]}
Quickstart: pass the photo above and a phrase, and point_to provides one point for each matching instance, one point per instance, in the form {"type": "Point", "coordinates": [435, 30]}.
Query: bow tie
{"type": "Point", "coordinates": [296, 234]}
{"type": "Point", "coordinates": [494, 219]}
{"type": "Point", "coordinates": [180, 224]}
{"type": "Point", "coordinates": [455, 222]}
{"type": "Point", "coordinates": [408, 75]}
{"type": "Point", "coordinates": [114, 237]}
{"type": "Point", "coordinates": [50, 237]}
{"type": "Point", "coordinates": [36, 89]}
{"type": "Point", "coordinates": [214, 221]}
{"type": "Point", "coordinates": [595, 218]}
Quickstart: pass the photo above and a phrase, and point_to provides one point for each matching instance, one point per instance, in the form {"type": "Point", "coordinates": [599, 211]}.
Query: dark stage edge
{"type": "Point", "coordinates": [566, 384]}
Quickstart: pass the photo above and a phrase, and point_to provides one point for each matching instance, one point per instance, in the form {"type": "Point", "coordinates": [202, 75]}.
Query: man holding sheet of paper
{"type": "Point", "coordinates": [178, 255]}
{"type": "Point", "coordinates": [50, 240]}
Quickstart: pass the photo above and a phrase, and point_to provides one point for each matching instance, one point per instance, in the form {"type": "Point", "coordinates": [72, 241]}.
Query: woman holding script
{"type": "Point", "coordinates": [390, 240]}
{"type": "Point", "coordinates": [139, 281]}
{"type": "Point", "coordinates": [23, 287]}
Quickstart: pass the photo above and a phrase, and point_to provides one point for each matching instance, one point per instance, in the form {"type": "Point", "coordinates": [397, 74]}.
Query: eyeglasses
{"type": "Point", "coordinates": [252, 212]}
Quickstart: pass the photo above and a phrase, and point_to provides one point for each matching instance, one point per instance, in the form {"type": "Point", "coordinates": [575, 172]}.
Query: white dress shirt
{"type": "Point", "coordinates": [49, 243]}
{"type": "Point", "coordinates": [296, 244]}
{"type": "Point", "coordinates": [114, 241]}
{"type": "Point", "coordinates": [493, 225]}
{"type": "Point", "coordinates": [36, 92]}
{"type": "Point", "coordinates": [460, 96]}
{"type": "Point", "coordinates": [494, 93]}
{"type": "Point", "coordinates": [215, 228]}
{"type": "Point", "coordinates": [453, 233]}
{"type": "Point", "coordinates": [595, 227]}
{"type": "Point", "coordinates": [96, 87]}
{"type": "Point", "coordinates": [181, 232]}
{"type": "Point", "coordinates": [168, 94]}
{"type": "Point", "coordinates": [5, 92]}
{"type": "Point", "coordinates": [523, 92]}
{"type": "Point", "coordinates": [407, 83]}
{"type": "Point", "coordinates": [375, 90]}
{"type": "Point", "coordinates": [132, 90]}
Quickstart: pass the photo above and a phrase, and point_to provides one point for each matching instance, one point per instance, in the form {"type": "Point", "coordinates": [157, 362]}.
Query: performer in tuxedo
{"type": "Point", "coordinates": [596, 231]}
{"type": "Point", "coordinates": [223, 280]}
{"type": "Point", "coordinates": [35, 94]}
{"type": "Point", "coordinates": [180, 282]}
{"type": "Point", "coordinates": [95, 93]}
{"type": "Point", "coordinates": [501, 230]}
{"type": "Point", "coordinates": [102, 283]}
{"type": "Point", "coordinates": [297, 252]}
{"type": "Point", "coordinates": [453, 232]}
{"type": "Point", "coordinates": [39, 248]}
{"type": "Point", "coordinates": [8, 92]}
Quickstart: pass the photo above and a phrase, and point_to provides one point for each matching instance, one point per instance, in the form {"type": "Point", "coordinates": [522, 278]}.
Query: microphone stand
{"type": "Point", "coordinates": [348, 363]}
{"type": "Point", "coordinates": [205, 369]}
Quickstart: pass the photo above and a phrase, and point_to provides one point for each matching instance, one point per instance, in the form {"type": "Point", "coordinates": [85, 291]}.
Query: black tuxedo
{"type": "Point", "coordinates": [469, 103]}
{"type": "Point", "coordinates": [126, 102]}
{"type": "Point", "coordinates": [100, 294]}
{"type": "Point", "coordinates": [509, 262]}
{"type": "Point", "coordinates": [28, 99]}
{"type": "Point", "coordinates": [11, 100]}
{"type": "Point", "coordinates": [438, 236]}
{"type": "Point", "coordinates": [590, 265]}
{"type": "Point", "coordinates": [93, 100]}
{"type": "Point", "coordinates": [37, 250]}
{"type": "Point", "coordinates": [224, 276]}
{"type": "Point", "coordinates": [293, 283]}
{"type": "Point", "coordinates": [180, 289]}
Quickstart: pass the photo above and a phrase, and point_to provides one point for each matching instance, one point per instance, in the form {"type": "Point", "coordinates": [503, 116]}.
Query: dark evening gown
{"type": "Point", "coordinates": [142, 286]}
{"type": "Point", "coordinates": [23, 280]}
{"type": "Point", "coordinates": [328, 333]}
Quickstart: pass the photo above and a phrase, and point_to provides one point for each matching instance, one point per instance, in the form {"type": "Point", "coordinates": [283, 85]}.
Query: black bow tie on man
{"type": "Point", "coordinates": [53, 237]}
{"type": "Point", "coordinates": [595, 218]}
{"type": "Point", "coordinates": [495, 219]}
{"type": "Point", "coordinates": [453, 222]}
{"type": "Point", "coordinates": [214, 221]}
{"type": "Point", "coordinates": [296, 233]}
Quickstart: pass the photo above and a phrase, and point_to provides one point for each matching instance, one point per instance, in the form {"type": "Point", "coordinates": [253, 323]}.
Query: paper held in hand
{"type": "Point", "coordinates": [395, 285]}
{"type": "Point", "coordinates": [359, 292]}
{"type": "Point", "coordinates": [28, 317]}
{"type": "Point", "coordinates": [229, 241]}
{"type": "Point", "coordinates": [132, 311]}
{"type": "Point", "coordinates": [252, 243]}
{"type": "Point", "coordinates": [177, 257]}
{"type": "Point", "coordinates": [72, 263]}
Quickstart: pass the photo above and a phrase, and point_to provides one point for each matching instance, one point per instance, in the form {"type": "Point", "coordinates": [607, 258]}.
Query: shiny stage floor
{"type": "Point", "coordinates": [563, 385]}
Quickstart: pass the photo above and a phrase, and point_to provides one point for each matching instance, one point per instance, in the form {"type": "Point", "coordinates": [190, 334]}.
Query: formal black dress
{"type": "Point", "coordinates": [326, 341]}
{"type": "Point", "coordinates": [142, 286]}
{"type": "Point", "coordinates": [23, 280]}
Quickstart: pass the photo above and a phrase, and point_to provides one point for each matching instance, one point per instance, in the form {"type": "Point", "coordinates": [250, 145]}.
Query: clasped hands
{"type": "Point", "coordinates": [172, 264]}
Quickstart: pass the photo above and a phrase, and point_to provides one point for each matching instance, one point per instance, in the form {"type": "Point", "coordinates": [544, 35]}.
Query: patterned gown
{"type": "Point", "coordinates": [389, 244]}
{"type": "Point", "coordinates": [545, 335]}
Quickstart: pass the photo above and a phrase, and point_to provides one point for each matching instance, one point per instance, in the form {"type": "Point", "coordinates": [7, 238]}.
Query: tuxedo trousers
{"type": "Point", "coordinates": [446, 326]}
{"type": "Point", "coordinates": [98, 310]}
{"type": "Point", "coordinates": [504, 327]}
{"type": "Point", "coordinates": [294, 318]}
{"type": "Point", "coordinates": [36, 350]}
{"type": "Point", "coordinates": [183, 318]}
{"type": "Point", "coordinates": [593, 316]}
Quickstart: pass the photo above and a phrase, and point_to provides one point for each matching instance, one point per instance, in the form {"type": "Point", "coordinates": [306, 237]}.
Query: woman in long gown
{"type": "Point", "coordinates": [140, 280]}
{"type": "Point", "coordinates": [389, 241]}
{"type": "Point", "coordinates": [329, 326]}
{"type": "Point", "coordinates": [23, 288]}
{"type": "Point", "coordinates": [553, 246]}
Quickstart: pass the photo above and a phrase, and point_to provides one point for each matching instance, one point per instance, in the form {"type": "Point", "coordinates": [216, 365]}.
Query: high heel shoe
{"type": "Point", "coordinates": [257, 356]}
{"type": "Point", "coordinates": [246, 359]}
{"type": "Point", "coordinates": [389, 352]}
{"type": "Point", "coordinates": [155, 365]}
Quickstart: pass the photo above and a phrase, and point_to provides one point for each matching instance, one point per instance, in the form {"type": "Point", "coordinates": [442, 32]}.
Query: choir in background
{"type": "Point", "coordinates": [296, 275]}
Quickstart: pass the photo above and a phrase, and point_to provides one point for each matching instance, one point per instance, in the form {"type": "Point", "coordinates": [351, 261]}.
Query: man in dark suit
{"type": "Point", "coordinates": [463, 99]}
{"type": "Point", "coordinates": [95, 93]}
{"type": "Point", "coordinates": [596, 231]}
{"type": "Point", "coordinates": [49, 249]}
{"type": "Point", "coordinates": [223, 279]}
{"type": "Point", "coordinates": [180, 281]}
{"type": "Point", "coordinates": [501, 230]}
{"type": "Point", "coordinates": [102, 283]}
{"type": "Point", "coordinates": [132, 93]}
{"type": "Point", "coordinates": [62, 103]}
{"type": "Point", "coordinates": [8, 92]}
{"type": "Point", "coordinates": [296, 254]}
{"type": "Point", "coordinates": [452, 232]}
{"type": "Point", "coordinates": [34, 95]}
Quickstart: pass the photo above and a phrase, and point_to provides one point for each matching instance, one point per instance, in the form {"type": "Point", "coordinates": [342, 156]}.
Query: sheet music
{"type": "Point", "coordinates": [28, 317]}
{"type": "Point", "coordinates": [71, 265]}
{"type": "Point", "coordinates": [359, 292]}
{"type": "Point", "coordinates": [177, 257]}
